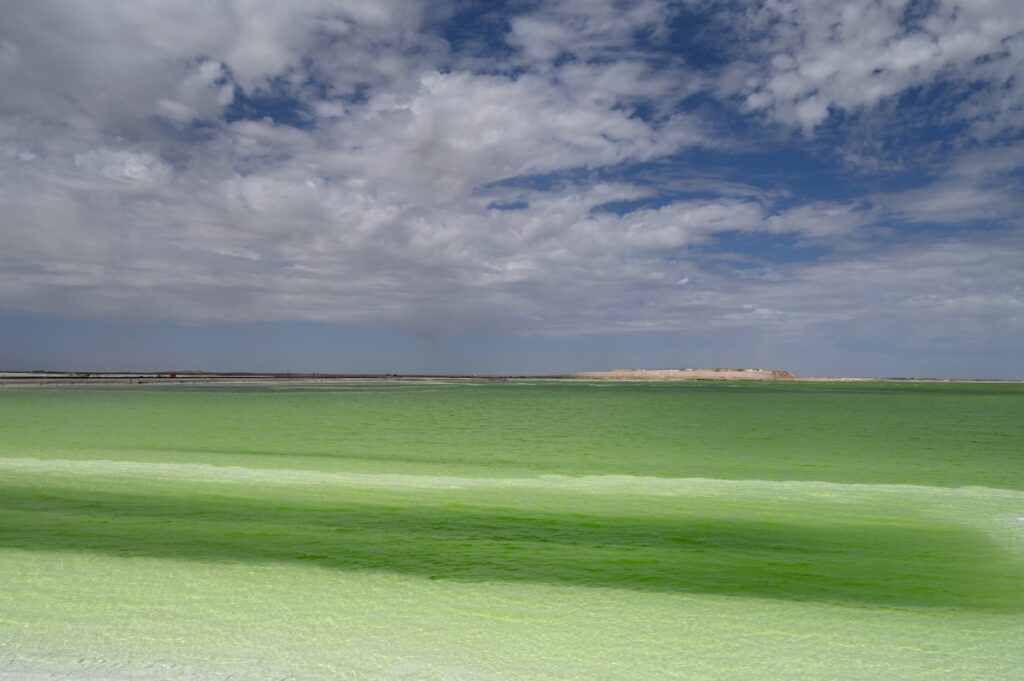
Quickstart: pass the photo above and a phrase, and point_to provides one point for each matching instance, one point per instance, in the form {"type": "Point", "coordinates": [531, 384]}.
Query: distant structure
{"type": "Point", "coordinates": [715, 374]}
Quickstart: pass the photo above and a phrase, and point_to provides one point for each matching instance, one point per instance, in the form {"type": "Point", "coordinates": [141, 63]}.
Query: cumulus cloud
{"type": "Point", "coordinates": [121, 63]}
{"type": "Point", "coordinates": [808, 58]}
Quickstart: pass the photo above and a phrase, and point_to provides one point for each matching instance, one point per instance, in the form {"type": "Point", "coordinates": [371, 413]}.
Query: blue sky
{"type": "Point", "coordinates": [513, 187]}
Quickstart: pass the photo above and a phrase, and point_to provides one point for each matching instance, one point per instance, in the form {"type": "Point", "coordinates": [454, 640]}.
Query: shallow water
{"type": "Point", "coordinates": [512, 531]}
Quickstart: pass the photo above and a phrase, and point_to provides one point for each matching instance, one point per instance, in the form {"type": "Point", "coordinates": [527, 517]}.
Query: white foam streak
{"type": "Point", "coordinates": [600, 484]}
{"type": "Point", "coordinates": [995, 511]}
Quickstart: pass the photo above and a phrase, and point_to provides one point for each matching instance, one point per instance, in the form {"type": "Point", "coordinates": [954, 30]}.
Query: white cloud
{"type": "Point", "coordinates": [135, 167]}
{"type": "Point", "coordinates": [980, 185]}
{"type": "Point", "coordinates": [925, 289]}
{"type": "Point", "coordinates": [585, 28]}
{"type": "Point", "coordinates": [116, 232]}
{"type": "Point", "coordinates": [807, 57]}
{"type": "Point", "coordinates": [461, 130]}
{"type": "Point", "coordinates": [953, 201]}
{"type": "Point", "coordinates": [820, 219]}
{"type": "Point", "coordinates": [119, 63]}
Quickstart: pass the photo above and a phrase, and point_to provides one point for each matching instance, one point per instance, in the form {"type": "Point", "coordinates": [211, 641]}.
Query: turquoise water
{"type": "Point", "coordinates": [520, 530]}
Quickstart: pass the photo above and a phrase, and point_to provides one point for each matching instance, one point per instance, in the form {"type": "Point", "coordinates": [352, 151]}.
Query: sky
{"type": "Point", "coordinates": [832, 188]}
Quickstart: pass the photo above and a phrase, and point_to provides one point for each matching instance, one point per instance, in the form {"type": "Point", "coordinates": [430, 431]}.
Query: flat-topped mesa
{"type": "Point", "coordinates": [714, 374]}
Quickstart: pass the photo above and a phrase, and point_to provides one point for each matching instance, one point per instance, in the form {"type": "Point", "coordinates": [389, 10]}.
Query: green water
{"type": "Point", "coordinates": [519, 530]}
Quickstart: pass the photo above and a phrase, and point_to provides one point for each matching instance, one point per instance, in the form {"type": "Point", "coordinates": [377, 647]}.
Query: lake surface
{"type": "Point", "coordinates": [512, 530]}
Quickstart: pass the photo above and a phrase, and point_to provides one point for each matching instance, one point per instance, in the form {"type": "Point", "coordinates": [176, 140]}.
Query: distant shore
{"type": "Point", "coordinates": [732, 374]}
{"type": "Point", "coordinates": [711, 374]}
{"type": "Point", "coordinates": [100, 377]}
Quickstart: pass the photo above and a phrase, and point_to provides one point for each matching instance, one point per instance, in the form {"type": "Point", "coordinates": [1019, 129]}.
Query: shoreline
{"type": "Point", "coordinates": [620, 375]}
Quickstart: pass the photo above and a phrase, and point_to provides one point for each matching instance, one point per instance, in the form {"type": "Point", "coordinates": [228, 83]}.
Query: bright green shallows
{"type": "Point", "coordinates": [513, 530]}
